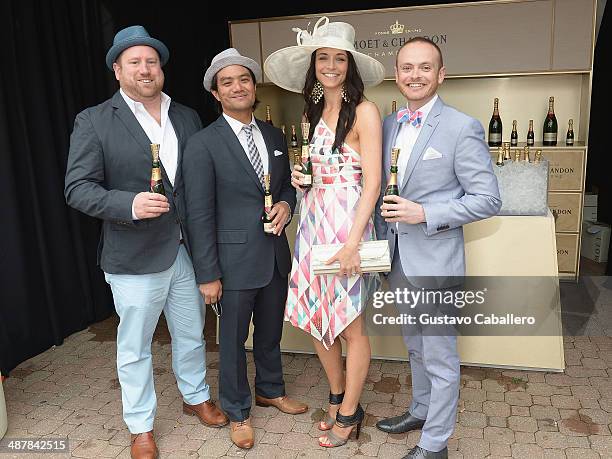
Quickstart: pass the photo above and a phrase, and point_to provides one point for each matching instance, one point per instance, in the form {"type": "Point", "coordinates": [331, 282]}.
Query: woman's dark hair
{"type": "Point", "coordinates": [214, 87]}
{"type": "Point", "coordinates": [353, 86]}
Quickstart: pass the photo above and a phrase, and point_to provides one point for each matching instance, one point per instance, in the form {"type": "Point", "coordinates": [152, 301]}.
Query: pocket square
{"type": "Point", "coordinates": [431, 153]}
{"type": "Point", "coordinates": [277, 152]}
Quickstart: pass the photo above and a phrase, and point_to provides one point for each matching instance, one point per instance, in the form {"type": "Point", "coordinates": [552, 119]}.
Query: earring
{"type": "Point", "coordinates": [344, 95]}
{"type": "Point", "coordinates": [317, 92]}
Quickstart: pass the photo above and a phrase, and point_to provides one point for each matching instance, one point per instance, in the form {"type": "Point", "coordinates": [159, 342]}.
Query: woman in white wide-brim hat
{"type": "Point", "coordinates": [345, 149]}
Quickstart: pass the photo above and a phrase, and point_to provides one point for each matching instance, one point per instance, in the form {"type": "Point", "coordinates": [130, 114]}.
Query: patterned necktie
{"type": "Point", "coordinates": [406, 116]}
{"type": "Point", "coordinates": [254, 153]}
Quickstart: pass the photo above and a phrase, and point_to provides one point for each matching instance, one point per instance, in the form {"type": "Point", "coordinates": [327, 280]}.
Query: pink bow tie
{"type": "Point", "coordinates": [406, 116]}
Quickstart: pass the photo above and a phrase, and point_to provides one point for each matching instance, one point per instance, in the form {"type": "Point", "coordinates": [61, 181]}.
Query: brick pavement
{"type": "Point", "coordinates": [72, 391]}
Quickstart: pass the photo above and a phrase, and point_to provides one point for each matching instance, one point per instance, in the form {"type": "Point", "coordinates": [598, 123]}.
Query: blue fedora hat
{"type": "Point", "coordinates": [134, 36]}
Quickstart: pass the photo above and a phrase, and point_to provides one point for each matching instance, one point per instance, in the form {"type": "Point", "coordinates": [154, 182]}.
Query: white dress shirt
{"type": "Point", "coordinates": [162, 134]}
{"type": "Point", "coordinates": [407, 137]}
{"type": "Point", "coordinates": [257, 137]}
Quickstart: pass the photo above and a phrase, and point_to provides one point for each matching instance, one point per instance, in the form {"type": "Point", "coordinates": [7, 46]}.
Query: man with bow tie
{"type": "Point", "coordinates": [446, 180]}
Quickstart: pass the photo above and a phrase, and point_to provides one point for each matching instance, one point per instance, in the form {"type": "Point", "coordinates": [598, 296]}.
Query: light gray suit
{"type": "Point", "coordinates": [455, 189]}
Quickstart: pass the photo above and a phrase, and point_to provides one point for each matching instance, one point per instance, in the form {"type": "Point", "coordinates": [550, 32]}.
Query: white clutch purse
{"type": "Point", "coordinates": [375, 257]}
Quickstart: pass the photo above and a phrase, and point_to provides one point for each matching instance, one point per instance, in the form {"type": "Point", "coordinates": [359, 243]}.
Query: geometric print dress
{"type": "Point", "coordinates": [324, 305]}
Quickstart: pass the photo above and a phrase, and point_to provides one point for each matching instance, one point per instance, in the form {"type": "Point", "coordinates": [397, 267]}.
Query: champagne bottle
{"type": "Point", "coordinates": [392, 188]}
{"type": "Point", "coordinates": [283, 129]}
{"type": "Point", "coordinates": [514, 135]}
{"type": "Point", "coordinates": [500, 156]}
{"type": "Point", "coordinates": [569, 138]}
{"type": "Point", "coordinates": [267, 221]}
{"type": "Point", "coordinates": [294, 141]}
{"type": "Point", "coordinates": [306, 162]}
{"type": "Point", "coordinates": [157, 183]}
{"type": "Point", "coordinates": [507, 153]}
{"type": "Point", "coordinates": [393, 106]}
{"type": "Point", "coordinates": [495, 126]}
{"type": "Point", "coordinates": [530, 136]}
{"type": "Point", "coordinates": [526, 154]}
{"type": "Point", "coordinates": [550, 125]}
{"type": "Point", "coordinates": [538, 157]}
{"type": "Point", "coordinates": [268, 116]}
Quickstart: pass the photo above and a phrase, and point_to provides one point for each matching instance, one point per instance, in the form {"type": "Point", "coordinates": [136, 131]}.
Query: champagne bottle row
{"type": "Point", "coordinates": [550, 129]}
{"type": "Point", "coordinates": [504, 155]}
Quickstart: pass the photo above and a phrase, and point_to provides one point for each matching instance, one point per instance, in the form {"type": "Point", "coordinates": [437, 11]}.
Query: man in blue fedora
{"type": "Point", "coordinates": [141, 249]}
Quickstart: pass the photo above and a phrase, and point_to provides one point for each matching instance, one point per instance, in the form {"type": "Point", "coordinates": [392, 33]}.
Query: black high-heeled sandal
{"type": "Point", "coordinates": [345, 421]}
{"type": "Point", "coordinates": [334, 399]}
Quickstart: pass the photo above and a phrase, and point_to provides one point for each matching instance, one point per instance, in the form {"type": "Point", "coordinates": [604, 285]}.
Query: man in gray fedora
{"type": "Point", "coordinates": [141, 249]}
{"type": "Point", "coordinates": [237, 265]}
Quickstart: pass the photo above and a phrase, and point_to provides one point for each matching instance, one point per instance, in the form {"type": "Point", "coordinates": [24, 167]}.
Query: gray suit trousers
{"type": "Point", "coordinates": [434, 364]}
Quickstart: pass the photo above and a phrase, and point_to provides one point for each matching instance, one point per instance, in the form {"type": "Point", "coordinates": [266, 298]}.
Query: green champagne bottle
{"type": "Point", "coordinates": [569, 138]}
{"type": "Point", "coordinates": [306, 162]}
{"type": "Point", "coordinates": [514, 135]}
{"type": "Point", "coordinates": [550, 125]}
{"type": "Point", "coordinates": [495, 126]}
{"type": "Point", "coordinates": [392, 188]}
{"type": "Point", "coordinates": [157, 183]}
{"type": "Point", "coordinates": [268, 203]}
{"type": "Point", "coordinates": [530, 136]}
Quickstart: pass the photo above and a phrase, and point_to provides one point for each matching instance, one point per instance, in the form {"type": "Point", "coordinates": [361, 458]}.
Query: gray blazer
{"type": "Point", "coordinates": [108, 164]}
{"type": "Point", "coordinates": [455, 189]}
{"type": "Point", "coordinates": [224, 203]}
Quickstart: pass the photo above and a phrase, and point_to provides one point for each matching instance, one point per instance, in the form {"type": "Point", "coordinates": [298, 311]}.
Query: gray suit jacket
{"type": "Point", "coordinates": [108, 164]}
{"type": "Point", "coordinates": [457, 188]}
{"type": "Point", "coordinates": [224, 206]}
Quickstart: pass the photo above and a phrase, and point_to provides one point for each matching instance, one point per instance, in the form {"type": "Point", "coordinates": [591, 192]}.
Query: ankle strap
{"type": "Point", "coordinates": [347, 421]}
{"type": "Point", "coordinates": [336, 399]}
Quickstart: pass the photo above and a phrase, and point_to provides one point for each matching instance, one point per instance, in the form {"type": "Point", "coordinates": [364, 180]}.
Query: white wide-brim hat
{"type": "Point", "coordinates": [287, 67]}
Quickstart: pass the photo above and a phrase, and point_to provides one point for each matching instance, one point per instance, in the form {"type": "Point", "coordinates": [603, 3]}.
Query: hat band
{"type": "Point", "coordinates": [329, 42]}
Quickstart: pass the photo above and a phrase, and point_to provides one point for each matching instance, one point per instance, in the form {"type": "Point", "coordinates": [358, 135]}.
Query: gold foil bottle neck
{"type": "Point", "coordinates": [500, 156]}
{"type": "Point", "coordinates": [538, 156]}
{"type": "Point", "coordinates": [394, 156]}
{"type": "Point", "coordinates": [266, 178]}
{"type": "Point", "coordinates": [305, 130]}
{"type": "Point", "coordinates": [155, 151]}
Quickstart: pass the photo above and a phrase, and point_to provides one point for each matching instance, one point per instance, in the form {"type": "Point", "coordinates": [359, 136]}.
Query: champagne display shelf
{"type": "Point", "coordinates": [567, 170]}
{"type": "Point", "coordinates": [519, 51]}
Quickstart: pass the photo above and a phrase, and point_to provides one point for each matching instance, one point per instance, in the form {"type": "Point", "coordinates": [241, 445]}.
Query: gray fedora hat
{"type": "Point", "coordinates": [135, 36]}
{"type": "Point", "coordinates": [230, 56]}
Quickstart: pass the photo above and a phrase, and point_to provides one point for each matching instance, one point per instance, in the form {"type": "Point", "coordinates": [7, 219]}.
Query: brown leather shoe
{"type": "Point", "coordinates": [143, 446]}
{"type": "Point", "coordinates": [241, 434]}
{"type": "Point", "coordinates": [208, 413]}
{"type": "Point", "coordinates": [284, 403]}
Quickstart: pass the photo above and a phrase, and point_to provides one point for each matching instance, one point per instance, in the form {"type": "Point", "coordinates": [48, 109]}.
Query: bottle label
{"type": "Point", "coordinates": [495, 137]}
{"type": "Point", "coordinates": [268, 227]}
{"type": "Point", "coordinates": [529, 141]}
{"type": "Point", "coordinates": [569, 141]}
{"type": "Point", "coordinates": [307, 180]}
{"type": "Point", "coordinates": [514, 142]}
{"type": "Point", "coordinates": [550, 137]}
{"type": "Point", "coordinates": [155, 174]}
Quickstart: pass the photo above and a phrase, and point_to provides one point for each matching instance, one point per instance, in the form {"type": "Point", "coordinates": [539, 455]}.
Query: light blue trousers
{"type": "Point", "coordinates": [139, 301]}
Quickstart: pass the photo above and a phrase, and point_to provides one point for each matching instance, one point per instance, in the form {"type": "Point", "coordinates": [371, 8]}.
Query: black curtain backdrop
{"type": "Point", "coordinates": [52, 67]}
